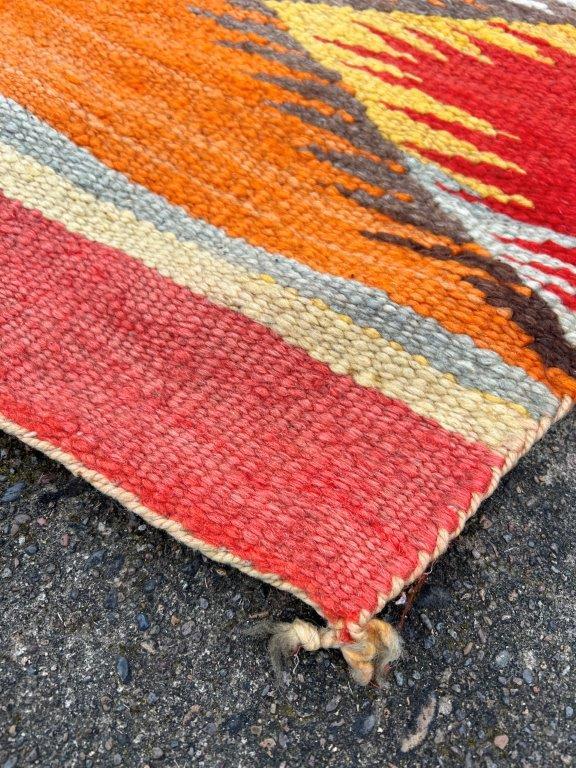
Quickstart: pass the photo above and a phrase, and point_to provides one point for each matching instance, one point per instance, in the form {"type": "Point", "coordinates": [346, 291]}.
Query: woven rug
{"type": "Point", "coordinates": [294, 281]}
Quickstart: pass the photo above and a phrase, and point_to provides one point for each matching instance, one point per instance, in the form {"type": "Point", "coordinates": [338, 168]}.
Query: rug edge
{"type": "Point", "coordinates": [445, 538]}
{"type": "Point", "coordinates": [219, 554]}
{"type": "Point", "coordinates": [131, 502]}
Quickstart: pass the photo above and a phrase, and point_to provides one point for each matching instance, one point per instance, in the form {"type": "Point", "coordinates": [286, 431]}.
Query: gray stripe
{"type": "Point", "coordinates": [453, 9]}
{"type": "Point", "coordinates": [368, 307]}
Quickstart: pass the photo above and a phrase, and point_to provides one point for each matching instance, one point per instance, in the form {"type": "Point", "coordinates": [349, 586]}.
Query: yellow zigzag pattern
{"type": "Point", "coordinates": [316, 26]}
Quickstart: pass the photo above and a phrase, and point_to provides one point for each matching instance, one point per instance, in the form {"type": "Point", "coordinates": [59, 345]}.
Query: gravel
{"type": "Point", "coordinates": [118, 646]}
{"type": "Point", "coordinates": [12, 493]}
{"type": "Point", "coordinates": [123, 669]}
{"type": "Point", "coordinates": [142, 622]}
{"type": "Point", "coordinates": [503, 659]}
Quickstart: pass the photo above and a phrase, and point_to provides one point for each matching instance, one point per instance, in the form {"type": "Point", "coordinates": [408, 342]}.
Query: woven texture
{"type": "Point", "coordinates": [295, 281]}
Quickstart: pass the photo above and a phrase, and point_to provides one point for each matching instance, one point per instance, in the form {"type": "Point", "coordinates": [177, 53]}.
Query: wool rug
{"type": "Point", "coordinates": [295, 281]}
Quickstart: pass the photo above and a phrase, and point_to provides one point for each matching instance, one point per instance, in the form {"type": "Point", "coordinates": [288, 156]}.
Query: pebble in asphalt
{"type": "Point", "coordinates": [118, 646]}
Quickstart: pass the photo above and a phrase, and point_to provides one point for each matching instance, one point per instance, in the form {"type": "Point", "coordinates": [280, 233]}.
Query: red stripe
{"type": "Point", "coordinates": [567, 299]}
{"type": "Point", "coordinates": [548, 246]}
{"type": "Point", "coordinates": [562, 272]}
{"type": "Point", "coordinates": [213, 421]}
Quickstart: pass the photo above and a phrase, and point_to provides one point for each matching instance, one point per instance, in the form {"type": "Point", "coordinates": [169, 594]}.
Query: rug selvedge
{"type": "Point", "coordinates": [294, 281]}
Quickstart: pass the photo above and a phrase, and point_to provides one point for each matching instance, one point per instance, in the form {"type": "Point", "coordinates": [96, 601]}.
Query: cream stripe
{"type": "Point", "coordinates": [310, 324]}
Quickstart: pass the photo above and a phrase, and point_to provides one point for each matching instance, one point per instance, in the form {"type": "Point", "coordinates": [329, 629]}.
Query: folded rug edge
{"type": "Point", "coordinates": [369, 644]}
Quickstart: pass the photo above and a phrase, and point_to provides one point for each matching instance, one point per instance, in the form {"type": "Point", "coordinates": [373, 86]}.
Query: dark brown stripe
{"type": "Point", "coordinates": [531, 312]}
{"type": "Point", "coordinates": [534, 315]}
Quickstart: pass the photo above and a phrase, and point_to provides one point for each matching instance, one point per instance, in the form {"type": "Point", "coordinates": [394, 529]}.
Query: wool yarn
{"type": "Point", "coordinates": [295, 281]}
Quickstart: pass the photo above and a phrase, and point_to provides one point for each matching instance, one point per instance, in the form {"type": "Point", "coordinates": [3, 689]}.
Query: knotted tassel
{"type": "Point", "coordinates": [371, 647]}
{"type": "Point", "coordinates": [375, 645]}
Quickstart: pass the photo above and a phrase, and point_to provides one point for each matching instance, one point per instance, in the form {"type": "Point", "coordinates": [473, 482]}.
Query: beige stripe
{"type": "Point", "coordinates": [310, 324]}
